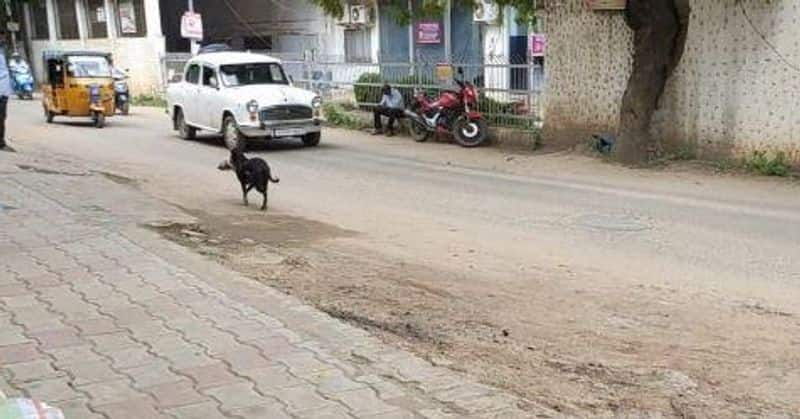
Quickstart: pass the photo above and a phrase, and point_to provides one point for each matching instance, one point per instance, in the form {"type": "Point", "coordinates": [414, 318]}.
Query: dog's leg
{"type": "Point", "coordinates": [245, 190]}
{"type": "Point", "coordinates": [264, 204]}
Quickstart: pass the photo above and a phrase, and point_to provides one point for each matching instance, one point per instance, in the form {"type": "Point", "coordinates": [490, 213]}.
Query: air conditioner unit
{"type": "Point", "coordinates": [487, 11]}
{"type": "Point", "coordinates": [359, 15]}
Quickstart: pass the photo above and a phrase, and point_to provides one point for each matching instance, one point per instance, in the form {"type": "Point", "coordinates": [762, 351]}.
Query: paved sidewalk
{"type": "Point", "coordinates": [105, 319]}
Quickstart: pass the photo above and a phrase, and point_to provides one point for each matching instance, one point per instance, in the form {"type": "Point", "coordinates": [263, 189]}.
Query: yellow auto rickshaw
{"type": "Point", "coordinates": [78, 84]}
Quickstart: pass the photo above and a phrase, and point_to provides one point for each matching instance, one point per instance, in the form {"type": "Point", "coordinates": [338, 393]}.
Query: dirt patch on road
{"type": "Point", "coordinates": [565, 344]}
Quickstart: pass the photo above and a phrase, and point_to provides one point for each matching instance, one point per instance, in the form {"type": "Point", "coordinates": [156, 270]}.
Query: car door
{"type": "Point", "coordinates": [209, 98]}
{"type": "Point", "coordinates": [191, 92]}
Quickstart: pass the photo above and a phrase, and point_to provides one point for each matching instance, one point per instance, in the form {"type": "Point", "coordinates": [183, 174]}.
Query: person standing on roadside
{"type": "Point", "coordinates": [5, 89]}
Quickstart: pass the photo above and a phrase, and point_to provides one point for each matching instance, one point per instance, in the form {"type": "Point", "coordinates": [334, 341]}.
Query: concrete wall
{"type": "Point", "coordinates": [139, 55]}
{"type": "Point", "coordinates": [730, 94]}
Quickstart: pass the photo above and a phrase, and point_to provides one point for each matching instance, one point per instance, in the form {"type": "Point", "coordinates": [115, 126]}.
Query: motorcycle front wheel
{"type": "Point", "coordinates": [470, 133]}
{"type": "Point", "coordinates": [419, 132]}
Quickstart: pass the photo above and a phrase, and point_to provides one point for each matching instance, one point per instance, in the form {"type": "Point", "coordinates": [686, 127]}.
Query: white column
{"type": "Point", "coordinates": [111, 21]}
{"type": "Point", "coordinates": [152, 13]}
{"type": "Point", "coordinates": [80, 16]}
{"type": "Point", "coordinates": [411, 33]}
{"type": "Point", "coordinates": [52, 20]}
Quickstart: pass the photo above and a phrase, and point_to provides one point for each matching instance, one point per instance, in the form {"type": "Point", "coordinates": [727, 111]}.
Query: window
{"type": "Point", "coordinates": [96, 18]}
{"type": "Point", "coordinates": [67, 19]}
{"type": "Point", "coordinates": [193, 74]}
{"type": "Point", "coordinates": [89, 67]}
{"type": "Point", "coordinates": [40, 27]}
{"type": "Point", "coordinates": [130, 18]}
{"type": "Point", "coordinates": [209, 77]}
{"type": "Point", "coordinates": [357, 45]}
{"type": "Point", "coordinates": [249, 74]}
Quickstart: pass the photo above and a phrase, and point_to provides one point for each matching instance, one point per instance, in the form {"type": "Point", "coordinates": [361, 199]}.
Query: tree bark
{"type": "Point", "coordinates": [659, 34]}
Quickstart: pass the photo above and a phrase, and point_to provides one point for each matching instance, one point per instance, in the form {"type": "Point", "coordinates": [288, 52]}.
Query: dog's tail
{"type": "Point", "coordinates": [274, 180]}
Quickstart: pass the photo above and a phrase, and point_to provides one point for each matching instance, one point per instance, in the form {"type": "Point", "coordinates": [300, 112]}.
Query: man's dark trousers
{"type": "Point", "coordinates": [391, 113]}
{"type": "Point", "coordinates": [3, 108]}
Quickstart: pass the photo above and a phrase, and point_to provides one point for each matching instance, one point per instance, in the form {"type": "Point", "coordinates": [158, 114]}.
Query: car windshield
{"type": "Point", "coordinates": [89, 66]}
{"type": "Point", "coordinates": [250, 74]}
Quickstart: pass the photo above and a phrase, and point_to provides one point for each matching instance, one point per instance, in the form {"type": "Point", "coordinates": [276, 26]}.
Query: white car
{"type": "Point", "coordinates": [243, 96]}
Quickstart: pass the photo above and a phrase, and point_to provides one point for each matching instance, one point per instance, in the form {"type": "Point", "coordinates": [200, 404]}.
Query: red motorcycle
{"type": "Point", "coordinates": [454, 112]}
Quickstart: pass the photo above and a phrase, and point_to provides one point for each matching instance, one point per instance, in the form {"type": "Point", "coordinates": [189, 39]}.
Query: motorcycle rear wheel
{"type": "Point", "coordinates": [470, 133]}
{"type": "Point", "coordinates": [419, 132]}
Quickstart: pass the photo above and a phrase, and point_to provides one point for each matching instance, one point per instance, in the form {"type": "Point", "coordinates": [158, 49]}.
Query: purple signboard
{"type": "Point", "coordinates": [538, 45]}
{"type": "Point", "coordinates": [429, 33]}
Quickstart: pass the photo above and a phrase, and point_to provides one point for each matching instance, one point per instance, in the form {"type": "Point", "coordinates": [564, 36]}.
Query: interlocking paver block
{"type": "Point", "coordinates": [150, 375]}
{"type": "Point", "coordinates": [298, 398]}
{"type": "Point", "coordinates": [272, 377]}
{"type": "Point", "coordinates": [59, 338]}
{"type": "Point", "coordinates": [131, 357]}
{"type": "Point", "coordinates": [93, 372]}
{"type": "Point", "coordinates": [207, 410]}
{"type": "Point", "coordinates": [245, 359]}
{"type": "Point", "coordinates": [272, 410]}
{"type": "Point", "coordinates": [78, 408]}
{"type": "Point", "coordinates": [96, 326]}
{"type": "Point", "coordinates": [23, 352]}
{"type": "Point", "coordinates": [330, 412]}
{"type": "Point", "coordinates": [72, 355]}
{"type": "Point", "coordinates": [110, 392]}
{"type": "Point", "coordinates": [177, 394]}
{"type": "Point", "coordinates": [333, 381]}
{"type": "Point", "coordinates": [32, 371]}
{"type": "Point", "coordinates": [138, 408]}
{"type": "Point", "coordinates": [236, 396]}
{"type": "Point", "coordinates": [12, 336]}
{"type": "Point", "coordinates": [52, 390]}
{"type": "Point", "coordinates": [112, 341]}
{"type": "Point", "coordinates": [212, 375]}
{"type": "Point", "coordinates": [363, 402]}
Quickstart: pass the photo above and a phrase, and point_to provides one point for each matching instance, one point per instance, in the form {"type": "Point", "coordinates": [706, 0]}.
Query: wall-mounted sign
{"type": "Point", "coordinates": [538, 45]}
{"type": "Point", "coordinates": [192, 26]}
{"type": "Point", "coordinates": [12, 26]}
{"type": "Point", "coordinates": [429, 33]}
{"type": "Point", "coordinates": [101, 14]}
{"type": "Point", "coordinates": [607, 4]}
{"type": "Point", "coordinates": [444, 73]}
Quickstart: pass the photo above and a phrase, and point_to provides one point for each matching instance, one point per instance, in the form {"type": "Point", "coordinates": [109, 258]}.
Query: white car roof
{"type": "Point", "coordinates": [224, 58]}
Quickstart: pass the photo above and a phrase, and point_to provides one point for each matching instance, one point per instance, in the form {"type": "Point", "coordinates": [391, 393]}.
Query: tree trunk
{"type": "Point", "coordinates": [659, 33]}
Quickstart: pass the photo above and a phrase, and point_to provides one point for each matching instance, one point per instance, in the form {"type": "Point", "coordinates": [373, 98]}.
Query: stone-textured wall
{"type": "Point", "coordinates": [587, 66]}
{"type": "Point", "coordinates": [730, 94]}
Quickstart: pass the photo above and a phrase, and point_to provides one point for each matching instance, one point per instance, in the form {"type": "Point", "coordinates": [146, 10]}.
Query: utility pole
{"type": "Point", "coordinates": [194, 48]}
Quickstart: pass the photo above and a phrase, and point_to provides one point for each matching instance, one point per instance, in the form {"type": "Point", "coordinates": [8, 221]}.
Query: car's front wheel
{"type": "Point", "coordinates": [312, 140]}
{"type": "Point", "coordinates": [231, 134]}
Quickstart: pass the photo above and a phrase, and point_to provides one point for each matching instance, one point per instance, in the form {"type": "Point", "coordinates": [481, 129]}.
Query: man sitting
{"type": "Point", "coordinates": [391, 106]}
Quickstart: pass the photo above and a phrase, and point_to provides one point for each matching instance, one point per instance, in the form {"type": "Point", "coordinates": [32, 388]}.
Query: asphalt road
{"type": "Point", "coordinates": [557, 229]}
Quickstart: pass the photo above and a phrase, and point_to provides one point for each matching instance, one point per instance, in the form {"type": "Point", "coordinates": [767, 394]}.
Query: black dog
{"type": "Point", "coordinates": [252, 173]}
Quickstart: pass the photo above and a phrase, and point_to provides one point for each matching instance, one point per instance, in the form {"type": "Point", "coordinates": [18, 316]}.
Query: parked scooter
{"type": "Point", "coordinates": [122, 97]}
{"type": "Point", "coordinates": [21, 77]}
{"type": "Point", "coordinates": [454, 112]}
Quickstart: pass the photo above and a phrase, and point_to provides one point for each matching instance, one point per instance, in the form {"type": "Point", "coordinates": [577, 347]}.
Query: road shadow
{"type": "Point", "coordinates": [271, 146]}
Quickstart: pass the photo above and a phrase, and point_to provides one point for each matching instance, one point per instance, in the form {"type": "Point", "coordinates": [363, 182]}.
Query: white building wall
{"type": "Point", "coordinates": [141, 56]}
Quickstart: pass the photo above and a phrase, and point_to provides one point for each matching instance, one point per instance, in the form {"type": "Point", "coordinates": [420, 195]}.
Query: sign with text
{"type": "Point", "coordinates": [444, 73]}
{"type": "Point", "coordinates": [429, 33]}
{"type": "Point", "coordinates": [607, 4]}
{"type": "Point", "coordinates": [538, 45]}
{"type": "Point", "coordinates": [192, 26]}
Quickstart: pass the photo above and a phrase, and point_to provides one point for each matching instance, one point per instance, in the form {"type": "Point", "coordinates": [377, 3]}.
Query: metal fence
{"type": "Point", "coordinates": [511, 95]}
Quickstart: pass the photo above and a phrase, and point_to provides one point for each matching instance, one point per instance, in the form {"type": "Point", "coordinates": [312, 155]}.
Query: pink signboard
{"type": "Point", "coordinates": [538, 45]}
{"type": "Point", "coordinates": [429, 33]}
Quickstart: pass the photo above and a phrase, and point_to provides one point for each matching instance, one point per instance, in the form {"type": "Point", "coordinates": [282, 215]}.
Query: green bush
{"type": "Point", "coordinates": [337, 116]}
{"type": "Point", "coordinates": [154, 100]}
{"type": "Point", "coordinates": [368, 94]}
{"type": "Point", "coordinates": [762, 163]}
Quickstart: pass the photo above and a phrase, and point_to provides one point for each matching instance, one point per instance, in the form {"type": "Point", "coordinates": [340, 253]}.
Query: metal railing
{"type": "Point", "coordinates": [511, 95]}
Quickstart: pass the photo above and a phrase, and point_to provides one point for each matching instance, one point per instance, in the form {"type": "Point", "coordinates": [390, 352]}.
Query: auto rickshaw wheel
{"type": "Point", "coordinates": [99, 120]}
{"type": "Point", "coordinates": [49, 116]}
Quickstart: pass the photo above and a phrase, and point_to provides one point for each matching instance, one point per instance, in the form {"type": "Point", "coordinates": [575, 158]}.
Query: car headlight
{"type": "Point", "coordinates": [252, 106]}
{"type": "Point", "coordinates": [316, 103]}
